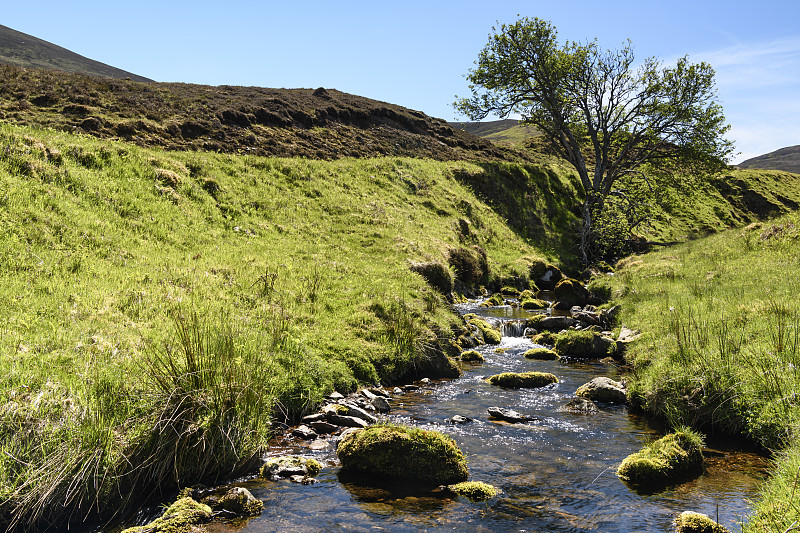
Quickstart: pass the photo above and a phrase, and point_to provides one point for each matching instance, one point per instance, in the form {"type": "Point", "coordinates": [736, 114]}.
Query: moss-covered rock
{"type": "Point", "coordinates": [691, 522]}
{"type": "Point", "coordinates": [672, 459]}
{"type": "Point", "coordinates": [584, 344]}
{"type": "Point", "coordinates": [534, 303]}
{"type": "Point", "coordinates": [544, 275]}
{"type": "Point", "coordinates": [546, 337]}
{"type": "Point", "coordinates": [512, 292]}
{"type": "Point", "coordinates": [238, 501]}
{"type": "Point", "coordinates": [397, 452]}
{"type": "Point", "coordinates": [179, 517]}
{"type": "Point", "coordinates": [477, 491]}
{"type": "Point", "coordinates": [522, 380]}
{"type": "Point", "coordinates": [490, 335]}
{"type": "Point", "coordinates": [289, 465]}
{"type": "Point", "coordinates": [436, 274]}
{"type": "Point", "coordinates": [541, 354]}
{"type": "Point", "coordinates": [493, 301]}
{"type": "Point", "coordinates": [570, 292]}
{"type": "Point", "coordinates": [472, 356]}
{"type": "Point", "coordinates": [527, 293]}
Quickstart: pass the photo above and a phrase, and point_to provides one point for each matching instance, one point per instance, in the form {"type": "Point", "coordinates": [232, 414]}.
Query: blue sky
{"type": "Point", "coordinates": [416, 53]}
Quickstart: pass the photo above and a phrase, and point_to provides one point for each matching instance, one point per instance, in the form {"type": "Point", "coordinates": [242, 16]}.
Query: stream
{"type": "Point", "coordinates": [556, 473]}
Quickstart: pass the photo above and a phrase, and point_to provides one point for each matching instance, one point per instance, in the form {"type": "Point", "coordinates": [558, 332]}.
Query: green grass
{"type": "Point", "coordinates": [720, 349]}
{"type": "Point", "coordinates": [144, 290]}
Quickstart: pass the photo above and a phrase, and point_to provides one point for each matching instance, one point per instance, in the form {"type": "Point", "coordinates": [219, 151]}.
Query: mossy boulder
{"type": "Point", "coordinates": [522, 380]}
{"type": "Point", "coordinates": [403, 453]}
{"type": "Point", "coordinates": [691, 522]}
{"type": "Point", "coordinates": [600, 289]}
{"type": "Point", "coordinates": [512, 292]}
{"type": "Point", "coordinates": [477, 491]}
{"type": "Point", "coordinates": [472, 356]}
{"type": "Point", "coordinates": [527, 293]}
{"type": "Point", "coordinates": [544, 275]}
{"type": "Point", "coordinates": [546, 337]}
{"type": "Point", "coordinates": [288, 466]}
{"type": "Point", "coordinates": [183, 515]}
{"type": "Point", "coordinates": [436, 274]}
{"type": "Point", "coordinates": [238, 501]}
{"type": "Point", "coordinates": [494, 300]}
{"type": "Point", "coordinates": [570, 292]}
{"type": "Point", "coordinates": [541, 354]}
{"type": "Point", "coordinates": [584, 344]}
{"type": "Point", "coordinates": [669, 460]}
{"type": "Point", "coordinates": [490, 335]}
{"type": "Point", "coordinates": [534, 303]}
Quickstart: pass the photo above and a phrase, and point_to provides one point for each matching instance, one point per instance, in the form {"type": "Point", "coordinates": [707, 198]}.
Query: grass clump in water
{"type": "Point", "coordinates": [477, 491]}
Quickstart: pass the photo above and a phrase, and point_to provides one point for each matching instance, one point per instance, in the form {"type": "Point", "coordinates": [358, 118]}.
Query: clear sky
{"type": "Point", "coordinates": [416, 53]}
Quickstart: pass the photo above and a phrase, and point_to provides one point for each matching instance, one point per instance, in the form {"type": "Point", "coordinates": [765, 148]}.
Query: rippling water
{"type": "Point", "coordinates": [556, 473]}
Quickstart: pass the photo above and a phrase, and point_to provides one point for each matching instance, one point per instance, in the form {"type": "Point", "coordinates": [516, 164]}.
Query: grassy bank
{"type": "Point", "coordinates": [721, 344]}
{"type": "Point", "coordinates": [157, 304]}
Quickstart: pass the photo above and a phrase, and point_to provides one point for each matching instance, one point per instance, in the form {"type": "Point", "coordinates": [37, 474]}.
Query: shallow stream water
{"type": "Point", "coordinates": [556, 473]}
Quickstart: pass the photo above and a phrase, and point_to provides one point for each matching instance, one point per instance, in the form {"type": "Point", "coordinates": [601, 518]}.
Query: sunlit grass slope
{"type": "Point", "coordinates": [157, 304]}
{"type": "Point", "coordinates": [721, 344]}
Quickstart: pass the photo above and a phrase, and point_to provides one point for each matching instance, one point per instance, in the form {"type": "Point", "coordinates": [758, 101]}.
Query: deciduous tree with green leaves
{"type": "Point", "coordinates": [604, 113]}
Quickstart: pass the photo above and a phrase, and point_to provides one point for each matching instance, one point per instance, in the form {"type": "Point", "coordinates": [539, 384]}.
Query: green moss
{"type": "Point", "coordinates": [494, 300]}
{"type": "Point", "coordinates": [490, 335]}
{"type": "Point", "coordinates": [542, 354]}
{"type": "Point", "coordinates": [398, 452]}
{"type": "Point", "coordinates": [691, 522]}
{"type": "Point", "coordinates": [526, 294]}
{"type": "Point", "coordinates": [472, 356]}
{"type": "Point", "coordinates": [509, 291]}
{"type": "Point", "coordinates": [533, 303]}
{"type": "Point", "coordinates": [477, 491]}
{"type": "Point", "coordinates": [668, 460]}
{"type": "Point", "coordinates": [601, 288]}
{"type": "Point", "coordinates": [180, 517]}
{"type": "Point", "coordinates": [584, 344]}
{"type": "Point", "coordinates": [545, 337]}
{"type": "Point", "coordinates": [522, 380]}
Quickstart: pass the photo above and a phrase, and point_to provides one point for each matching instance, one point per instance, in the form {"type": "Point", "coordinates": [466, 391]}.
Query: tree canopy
{"type": "Point", "coordinates": [598, 109]}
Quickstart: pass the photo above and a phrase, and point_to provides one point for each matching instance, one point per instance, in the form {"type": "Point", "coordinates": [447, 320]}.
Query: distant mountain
{"type": "Point", "coordinates": [787, 159]}
{"type": "Point", "coordinates": [508, 132]}
{"type": "Point", "coordinates": [23, 50]}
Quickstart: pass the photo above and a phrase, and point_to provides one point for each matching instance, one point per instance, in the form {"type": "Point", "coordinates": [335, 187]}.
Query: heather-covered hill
{"type": "Point", "coordinates": [786, 159]}
{"type": "Point", "coordinates": [21, 49]}
{"type": "Point", "coordinates": [315, 123]}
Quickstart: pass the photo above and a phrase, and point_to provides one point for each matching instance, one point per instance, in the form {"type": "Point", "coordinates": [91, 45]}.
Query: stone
{"type": "Point", "coordinates": [541, 354]}
{"type": "Point", "coordinates": [304, 432]}
{"type": "Point", "coordinates": [627, 335]}
{"type": "Point", "coordinates": [360, 413]}
{"type": "Point", "coordinates": [472, 356]}
{"type": "Point", "coordinates": [570, 292]}
{"type": "Point", "coordinates": [182, 515]}
{"type": "Point", "coordinates": [584, 345]}
{"type": "Point", "coordinates": [381, 404]}
{"type": "Point", "coordinates": [476, 491]}
{"type": "Point", "coordinates": [557, 323]}
{"type": "Point", "coordinates": [323, 428]}
{"type": "Point", "coordinates": [335, 396]}
{"type": "Point", "coordinates": [458, 420]}
{"type": "Point", "coordinates": [289, 465]}
{"type": "Point", "coordinates": [369, 395]}
{"type": "Point", "coordinates": [237, 502]}
{"type": "Point", "coordinates": [603, 389]}
{"type": "Point", "coordinates": [580, 406]}
{"type": "Point", "coordinates": [347, 421]}
{"type": "Point", "coordinates": [313, 418]}
{"type": "Point", "coordinates": [508, 415]}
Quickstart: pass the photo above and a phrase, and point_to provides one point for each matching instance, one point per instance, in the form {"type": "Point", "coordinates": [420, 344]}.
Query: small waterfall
{"type": "Point", "coordinates": [513, 328]}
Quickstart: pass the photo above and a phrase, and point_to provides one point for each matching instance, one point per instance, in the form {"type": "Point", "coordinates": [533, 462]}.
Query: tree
{"type": "Point", "coordinates": [608, 117]}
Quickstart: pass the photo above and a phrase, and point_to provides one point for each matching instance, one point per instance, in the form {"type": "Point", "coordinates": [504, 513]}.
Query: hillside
{"type": "Point", "coordinates": [21, 49]}
{"type": "Point", "coordinates": [786, 159]}
{"type": "Point", "coordinates": [316, 123]}
{"type": "Point", "coordinates": [507, 132]}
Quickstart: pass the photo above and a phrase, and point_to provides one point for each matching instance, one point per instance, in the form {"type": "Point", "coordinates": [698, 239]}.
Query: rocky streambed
{"type": "Point", "coordinates": [555, 465]}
